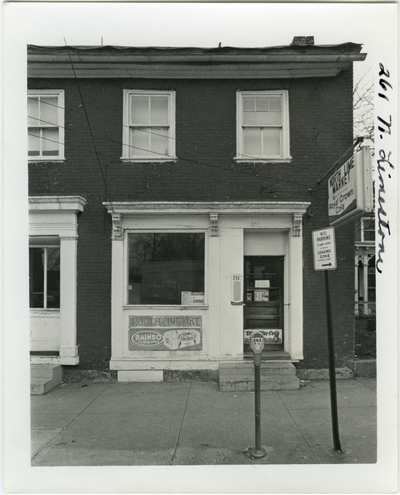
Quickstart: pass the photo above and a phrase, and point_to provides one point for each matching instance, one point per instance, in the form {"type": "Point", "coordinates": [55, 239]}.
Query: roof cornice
{"type": "Point", "coordinates": [192, 63]}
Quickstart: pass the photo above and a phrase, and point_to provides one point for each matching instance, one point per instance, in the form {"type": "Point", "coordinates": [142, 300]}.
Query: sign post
{"type": "Point", "coordinates": [324, 250]}
{"type": "Point", "coordinates": [257, 345]}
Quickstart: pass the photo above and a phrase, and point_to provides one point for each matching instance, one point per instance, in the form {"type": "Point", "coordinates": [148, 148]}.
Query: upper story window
{"type": "Point", "coordinates": [262, 126]}
{"type": "Point", "coordinates": [46, 125]}
{"type": "Point", "coordinates": [368, 229]}
{"type": "Point", "coordinates": [149, 126]}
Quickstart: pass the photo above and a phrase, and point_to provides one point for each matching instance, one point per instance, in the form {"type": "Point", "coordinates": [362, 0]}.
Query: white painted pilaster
{"type": "Point", "coordinates": [68, 281]}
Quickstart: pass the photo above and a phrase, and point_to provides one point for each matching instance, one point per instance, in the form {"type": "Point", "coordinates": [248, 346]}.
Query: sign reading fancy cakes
{"type": "Point", "coordinates": [165, 333]}
{"type": "Point", "coordinates": [271, 336]}
{"type": "Point", "coordinates": [350, 189]}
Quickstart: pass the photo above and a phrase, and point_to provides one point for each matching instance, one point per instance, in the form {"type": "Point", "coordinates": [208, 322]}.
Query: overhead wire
{"type": "Point", "coordinates": [89, 127]}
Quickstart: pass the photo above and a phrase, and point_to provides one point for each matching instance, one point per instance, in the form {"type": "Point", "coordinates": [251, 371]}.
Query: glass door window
{"type": "Point", "coordinates": [263, 296]}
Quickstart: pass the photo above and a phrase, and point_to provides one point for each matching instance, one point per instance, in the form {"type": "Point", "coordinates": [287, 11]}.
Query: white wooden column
{"type": "Point", "coordinates": [117, 290]}
{"type": "Point", "coordinates": [213, 291]}
{"type": "Point", "coordinates": [68, 292]}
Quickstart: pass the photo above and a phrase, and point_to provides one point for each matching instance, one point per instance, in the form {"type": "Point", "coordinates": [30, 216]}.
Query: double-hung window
{"type": "Point", "coordinates": [368, 229]}
{"type": "Point", "coordinates": [46, 125]}
{"type": "Point", "coordinates": [149, 126]}
{"type": "Point", "coordinates": [44, 273]}
{"type": "Point", "coordinates": [262, 126]}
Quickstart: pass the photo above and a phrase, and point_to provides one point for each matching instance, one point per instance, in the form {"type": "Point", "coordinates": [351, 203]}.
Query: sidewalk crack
{"type": "Point", "coordinates": [180, 428]}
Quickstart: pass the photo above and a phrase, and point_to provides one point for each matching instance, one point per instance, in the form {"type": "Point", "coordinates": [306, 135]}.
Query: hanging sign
{"type": "Point", "coordinates": [350, 189]}
{"type": "Point", "coordinates": [324, 249]}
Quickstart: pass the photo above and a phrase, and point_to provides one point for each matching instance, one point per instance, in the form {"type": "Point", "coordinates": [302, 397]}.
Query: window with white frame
{"type": "Point", "coordinates": [263, 126]}
{"type": "Point", "coordinates": [368, 229]}
{"type": "Point", "coordinates": [166, 268]}
{"type": "Point", "coordinates": [46, 125]}
{"type": "Point", "coordinates": [149, 125]}
{"type": "Point", "coordinates": [44, 273]}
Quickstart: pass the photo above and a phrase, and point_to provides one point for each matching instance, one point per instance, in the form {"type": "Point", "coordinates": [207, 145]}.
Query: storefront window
{"type": "Point", "coordinates": [166, 268]}
{"type": "Point", "coordinates": [44, 277]}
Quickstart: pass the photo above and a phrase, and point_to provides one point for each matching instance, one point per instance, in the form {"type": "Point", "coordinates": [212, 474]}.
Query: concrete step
{"type": "Point", "coordinates": [273, 376]}
{"type": "Point", "coordinates": [45, 377]}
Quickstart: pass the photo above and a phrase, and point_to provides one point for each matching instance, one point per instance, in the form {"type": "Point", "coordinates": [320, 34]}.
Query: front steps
{"type": "Point", "coordinates": [274, 375]}
{"type": "Point", "coordinates": [45, 377]}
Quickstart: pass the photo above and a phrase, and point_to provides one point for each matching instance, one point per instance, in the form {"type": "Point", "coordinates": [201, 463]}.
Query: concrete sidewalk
{"type": "Point", "coordinates": [193, 423]}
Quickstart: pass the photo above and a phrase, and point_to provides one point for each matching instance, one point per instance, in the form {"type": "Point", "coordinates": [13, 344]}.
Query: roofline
{"type": "Point", "coordinates": [178, 63]}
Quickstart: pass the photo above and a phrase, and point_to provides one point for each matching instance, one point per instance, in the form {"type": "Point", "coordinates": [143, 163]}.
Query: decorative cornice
{"type": "Point", "coordinates": [214, 225]}
{"type": "Point", "coordinates": [57, 203]}
{"type": "Point", "coordinates": [181, 207]}
{"type": "Point", "coordinates": [117, 231]}
{"type": "Point", "coordinates": [297, 224]}
{"type": "Point", "coordinates": [183, 63]}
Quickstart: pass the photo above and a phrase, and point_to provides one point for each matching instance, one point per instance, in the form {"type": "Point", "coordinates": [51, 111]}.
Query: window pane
{"type": "Point", "coordinates": [159, 110]}
{"type": "Point", "coordinates": [271, 142]}
{"type": "Point", "coordinates": [33, 111]}
{"type": "Point", "coordinates": [140, 142]}
{"type": "Point", "coordinates": [252, 142]}
{"type": "Point", "coordinates": [159, 141]}
{"type": "Point", "coordinates": [50, 142]}
{"type": "Point", "coordinates": [275, 103]}
{"type": "Point", "coordinates": [162, 266]}
{"type": "Point", "coordinates": [140, 110]}
{"type": "Point", "coordinates": [36, 277]}
{"type": "Point", "coordinates": [53, 277]}
{"type": "Point", "coordinates": [48, 110]}
{"type": "Point", "coordinates": [33, 142]}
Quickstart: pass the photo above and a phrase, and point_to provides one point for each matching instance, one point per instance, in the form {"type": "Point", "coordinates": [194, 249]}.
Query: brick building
{"type": "Point", "coordinates": [173, 192]}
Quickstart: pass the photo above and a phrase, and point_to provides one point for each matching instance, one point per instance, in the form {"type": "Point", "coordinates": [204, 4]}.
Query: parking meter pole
{"type": "Point", "coordinates": [257, 395]}
{"type": "Point", "coordinates": [332, 371]}
{"type": "Point", "coordinates": [257, 345]}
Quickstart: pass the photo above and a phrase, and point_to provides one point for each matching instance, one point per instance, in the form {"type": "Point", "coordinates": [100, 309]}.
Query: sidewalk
{"type": "Point", "coordinates": [192, 423]}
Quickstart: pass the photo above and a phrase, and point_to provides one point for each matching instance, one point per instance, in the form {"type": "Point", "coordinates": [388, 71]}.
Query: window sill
{"type": "Point", "coordinates": [45, 311]}
{"type": "Point", "coordinates": [45, 160]}
{"type": "Point", "coordinates": [169, 159]}
{"type": "Point", "coordinates": [178, 307]}
{"type": "Point", "coordinates": [263, 160]}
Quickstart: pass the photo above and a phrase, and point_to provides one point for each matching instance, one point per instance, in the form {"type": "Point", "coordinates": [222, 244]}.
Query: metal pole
{"type": "Point", "coordinates": [332, 371]}
{"type": "Point", "coordinates": [257, 451]}
{"type": "Point", "coordinates": [257, 394]}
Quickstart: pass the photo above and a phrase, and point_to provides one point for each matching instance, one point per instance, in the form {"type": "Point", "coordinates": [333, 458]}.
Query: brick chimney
{"type": "Point", "coordinates": [303, 40]}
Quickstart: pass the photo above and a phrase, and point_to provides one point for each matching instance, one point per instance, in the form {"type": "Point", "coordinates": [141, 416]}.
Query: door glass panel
{"type": "Point", "coordinates": [264, 299]}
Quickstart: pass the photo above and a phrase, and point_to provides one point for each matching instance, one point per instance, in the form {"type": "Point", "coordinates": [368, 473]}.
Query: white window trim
{"type": "Point", "coordinates": [60, 93]}
{"type": "Point", "coordinates": [125, 131]}
{"type": "Point", "coordinates": [45, 245]}
{"type": "Point", "coordinates": [57, 216]}
{"type": "Point", "coordinates": [285, 157]}
{"type": "Point", "coordinates": [365, 219]}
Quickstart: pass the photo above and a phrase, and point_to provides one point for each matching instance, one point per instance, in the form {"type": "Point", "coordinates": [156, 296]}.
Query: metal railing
{"type": "Point", "coordinates": [365, 331]}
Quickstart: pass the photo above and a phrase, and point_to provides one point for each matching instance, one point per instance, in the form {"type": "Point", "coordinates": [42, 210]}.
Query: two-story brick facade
{"type": "Point", "coordinates": [173, 193]}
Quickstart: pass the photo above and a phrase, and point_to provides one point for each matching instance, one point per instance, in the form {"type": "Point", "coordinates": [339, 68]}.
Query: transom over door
{"type": "Point", "coordinates": [263, 296]}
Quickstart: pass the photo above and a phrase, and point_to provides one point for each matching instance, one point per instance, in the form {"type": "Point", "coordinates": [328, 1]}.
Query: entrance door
{"type": "Point", "coordinates": [263, 295]}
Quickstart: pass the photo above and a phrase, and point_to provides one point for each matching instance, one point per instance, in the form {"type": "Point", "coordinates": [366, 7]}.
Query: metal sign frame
{"type": "Point", "coordinates": [324, 249]}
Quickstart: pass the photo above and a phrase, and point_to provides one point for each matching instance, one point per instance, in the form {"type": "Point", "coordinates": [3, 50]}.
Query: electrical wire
{"type": "Point", "coordinates": [90, 127]}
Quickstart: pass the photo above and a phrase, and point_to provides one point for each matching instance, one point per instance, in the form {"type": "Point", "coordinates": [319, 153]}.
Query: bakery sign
{"type": "Point", "coordinates": [165, 333]}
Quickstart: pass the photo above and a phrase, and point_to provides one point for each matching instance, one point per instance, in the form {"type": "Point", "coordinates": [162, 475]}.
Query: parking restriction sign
{"type": "Point", "coordinates": [324, 249]}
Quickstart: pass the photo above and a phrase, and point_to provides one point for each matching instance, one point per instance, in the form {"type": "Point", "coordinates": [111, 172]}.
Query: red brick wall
{"type": "Point", "coordinates": [320, 132]}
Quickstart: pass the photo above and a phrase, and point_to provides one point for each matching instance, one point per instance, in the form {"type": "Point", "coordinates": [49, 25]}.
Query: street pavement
{"type": "Point", "coordinates": [193, 423]}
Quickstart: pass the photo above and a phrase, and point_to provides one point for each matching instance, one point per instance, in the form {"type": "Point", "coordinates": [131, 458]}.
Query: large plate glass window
{"type": "Point", "coordinates": [46, 125]}
{"type": "Point", "coordinates": [166, 268]}
{"type": "Point", "coordinates": [149, 125]}
{"type": "Point", "coordinates": [44, 273]}
{"type": "Point", "coordinates": [262, 126]}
